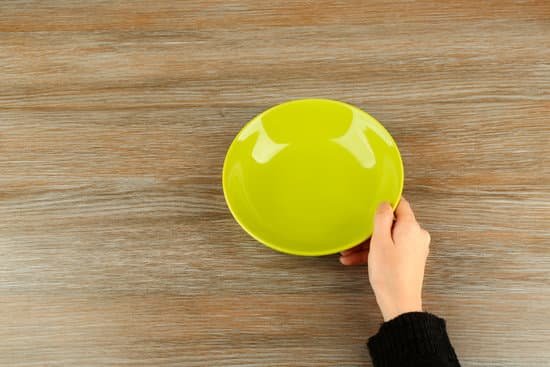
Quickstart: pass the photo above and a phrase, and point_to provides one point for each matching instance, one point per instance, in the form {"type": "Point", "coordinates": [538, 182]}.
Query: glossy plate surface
{"type": "Point", "coordinates": [305, 177]}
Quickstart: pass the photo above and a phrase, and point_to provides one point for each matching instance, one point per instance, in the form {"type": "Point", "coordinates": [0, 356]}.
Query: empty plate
{"type": "Point", "coordinates": [305, 177]}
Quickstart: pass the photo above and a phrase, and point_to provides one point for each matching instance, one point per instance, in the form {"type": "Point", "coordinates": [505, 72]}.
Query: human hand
{"type": "Point", "coordinates": [396, 255]}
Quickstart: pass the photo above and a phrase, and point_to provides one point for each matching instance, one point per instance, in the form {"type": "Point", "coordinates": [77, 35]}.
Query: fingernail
{"type": "Point", "coordinates": [383, 207]}
{"type": "Point", "coordinates": [343, 260]}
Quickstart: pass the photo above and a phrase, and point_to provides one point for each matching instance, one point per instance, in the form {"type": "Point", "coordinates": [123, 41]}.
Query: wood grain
{"type": "Point", "coordinates": [116, 247]}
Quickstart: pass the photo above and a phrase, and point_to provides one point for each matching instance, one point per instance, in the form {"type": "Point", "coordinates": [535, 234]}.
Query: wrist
{"type": "Point", "coordinates": [391, 311]}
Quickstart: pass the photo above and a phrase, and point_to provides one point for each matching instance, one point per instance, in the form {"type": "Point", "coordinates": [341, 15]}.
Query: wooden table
{"type": "Point", "coordinates": [116, 246]}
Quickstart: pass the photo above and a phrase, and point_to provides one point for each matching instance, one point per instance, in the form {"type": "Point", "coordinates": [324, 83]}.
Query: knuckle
{"type": "Point", "coordinates": [383, 209]}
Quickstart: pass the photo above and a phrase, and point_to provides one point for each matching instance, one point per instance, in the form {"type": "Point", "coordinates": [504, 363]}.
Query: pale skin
{"type": "Point", "coordinates": [396, 257]}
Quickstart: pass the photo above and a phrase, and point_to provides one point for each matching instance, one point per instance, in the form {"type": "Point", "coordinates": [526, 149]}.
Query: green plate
{"type": "Point", "coordinates": [305, 177]}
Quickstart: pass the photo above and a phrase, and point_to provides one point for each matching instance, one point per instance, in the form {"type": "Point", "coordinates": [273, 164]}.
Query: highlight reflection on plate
{"type": "Point", "coordinates": [305, 177]}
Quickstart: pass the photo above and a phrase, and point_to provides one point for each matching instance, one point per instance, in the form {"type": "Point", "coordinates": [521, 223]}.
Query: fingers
{"type": "Point", "coordinates": [355, 258]}
{"type": "Point", "coordinates": [360, 247]}
{"type": "Point", "coordinates": [404, 211]}
{"type": "Point", "coordinates": [383, 221]}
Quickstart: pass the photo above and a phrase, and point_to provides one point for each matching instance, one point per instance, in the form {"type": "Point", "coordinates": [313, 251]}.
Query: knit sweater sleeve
{"type": "Point", "coordinates": [412, 340]}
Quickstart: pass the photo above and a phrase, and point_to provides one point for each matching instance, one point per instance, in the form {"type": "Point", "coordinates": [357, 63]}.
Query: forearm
{"type": "Point", "coordinates": [412, 340]}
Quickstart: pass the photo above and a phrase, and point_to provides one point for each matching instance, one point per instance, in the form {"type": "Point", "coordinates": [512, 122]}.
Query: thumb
{"type": "Point", "coordinates": [383, 221]}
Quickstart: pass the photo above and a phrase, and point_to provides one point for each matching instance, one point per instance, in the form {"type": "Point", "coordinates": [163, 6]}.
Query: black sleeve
{"type": "Point", "coordinates": [412, 340]}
